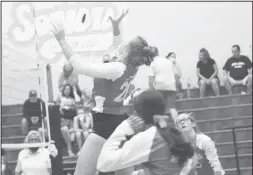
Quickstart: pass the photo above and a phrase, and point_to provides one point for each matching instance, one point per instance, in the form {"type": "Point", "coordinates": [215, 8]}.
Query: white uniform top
{"type": "Point", "coordinates": [162, 70]}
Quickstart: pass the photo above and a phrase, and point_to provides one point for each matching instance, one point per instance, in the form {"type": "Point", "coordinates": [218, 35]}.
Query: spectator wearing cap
{"type": "Point", "coordinates": [5, 170]}
{"type": "Point", "coordinates": [207, 72]}
{"type": "Point", "coordinates": [34, 112]}
{"type": "Point", "coordinates": [238, 71]}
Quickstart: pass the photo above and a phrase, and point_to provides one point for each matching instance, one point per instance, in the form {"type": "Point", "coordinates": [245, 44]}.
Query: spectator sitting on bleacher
{"type": "Point", "coordinates": [5, 170]}
{"type": "Point", "coordinates": [68, 76]}
{"type": "Point", "coordinates": [34, 160]}
{"type": "Point", "coordinates": [207, 72]}
{"type": "Point", "coordinates": [34, 112]}
{"type": "Point", "coordinates": [238, 71]}
{"type": "Point", "coordinates": [83, 124]}
{"type": "Point", "coordinates": [67, 102]}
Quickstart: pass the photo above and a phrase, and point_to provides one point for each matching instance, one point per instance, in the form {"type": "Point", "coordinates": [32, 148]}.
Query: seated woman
{"type": "Point", "coordinates": [206, 160]}
{"type": "Point", "coordinates": [140, 140]}
{"type": "Point", "coordinates": [207, 72]}
{"type": "Point", "coordinates": [83, 124]}
{"type": "Point", "coordinates": [67, 102]}
{"type": "Point", "coordinates": [35, 160]}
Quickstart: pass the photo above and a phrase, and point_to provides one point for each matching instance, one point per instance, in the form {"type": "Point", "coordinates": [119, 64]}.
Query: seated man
{"type": "Point", "coordinates": [207, 72]}
{"type": "Point", "coordinates": [69, 77]}
{"type": "Point", "coordinates": [34, 112]}
{"type": "Point", "coordinates": [237, 71]}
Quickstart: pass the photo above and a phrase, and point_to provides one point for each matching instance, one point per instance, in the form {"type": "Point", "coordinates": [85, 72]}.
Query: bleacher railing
{"type": "Point", "coordinates": [233, 129]}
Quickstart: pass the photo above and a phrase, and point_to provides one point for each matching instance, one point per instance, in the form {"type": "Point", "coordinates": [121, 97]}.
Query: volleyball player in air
{"type": "Point", "coordinates": [139, 140]}
{"type": "Point", "coordinates": [206, 160]}
{"type": "Point", "coordinates": [117, 77]}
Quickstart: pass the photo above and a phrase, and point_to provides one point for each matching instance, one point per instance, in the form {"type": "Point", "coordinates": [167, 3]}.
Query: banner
{"type": "Point", "coordinates": [90, 37]}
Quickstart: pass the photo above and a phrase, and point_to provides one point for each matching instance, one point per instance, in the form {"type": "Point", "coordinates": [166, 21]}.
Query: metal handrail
{"type": "Point", "coordinates": [233, 128]}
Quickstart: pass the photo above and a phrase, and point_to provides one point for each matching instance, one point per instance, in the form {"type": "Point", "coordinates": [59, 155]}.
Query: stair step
{"type": "Point", "coordinates": [217, 136]}
{"type": "Point", "coordinates": [227, 161]}
{"type": "Point", "coordinates": [227, 148]}
{"type": "Point", "coordinates": [204, 125]}
{"type": "Point", "coordinates": [244, 171]}
{"type": "Point", "coordinates": [201, 113]}
{"type": "Point", "coordinates": [245, 160]}
{"type": "Point", "coordinates": [226, 135]}
{"type": "Point", "coordinates": [216, 112]}
{"type": "Point", "coordinates": [12, 119]}
{"type": "Point", "coordinates": [206, 102]}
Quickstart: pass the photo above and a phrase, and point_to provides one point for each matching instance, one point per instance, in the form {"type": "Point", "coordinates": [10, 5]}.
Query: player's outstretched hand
{"type": "Point", "coordinates": [57, 29]}
{"type": "Point", "coordinates": [117, 21]}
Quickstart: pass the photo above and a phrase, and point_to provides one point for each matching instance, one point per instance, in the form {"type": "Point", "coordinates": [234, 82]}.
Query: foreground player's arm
{"type": "Point", "coordinates": [212, 156]}
{"type": "Point", "coordinates": [110, 71]}
{"type": "Point", "coordinates": [134, 151]}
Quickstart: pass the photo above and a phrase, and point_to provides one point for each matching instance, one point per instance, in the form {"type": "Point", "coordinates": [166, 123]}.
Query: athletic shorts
{"type": "Point", "coordinates": [169, 98]}
{"type": "Point", "coordinates": [105, 124]}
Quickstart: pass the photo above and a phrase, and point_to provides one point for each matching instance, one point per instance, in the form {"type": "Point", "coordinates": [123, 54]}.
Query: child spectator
{"type": "Point", "coordinates": [207, 72]}
{"type": "Point", "coordinates": [83, 124]}
{"type": "Point", "coordinates": [237, 71]}
{"type": "Point", "coordinates": [34, 112]}
{"type": "Point", "coordinates": [67, 103]}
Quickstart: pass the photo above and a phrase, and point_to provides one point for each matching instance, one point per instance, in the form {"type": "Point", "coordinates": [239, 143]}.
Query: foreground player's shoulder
{"type": "Point", "coordinates": [201, 139]}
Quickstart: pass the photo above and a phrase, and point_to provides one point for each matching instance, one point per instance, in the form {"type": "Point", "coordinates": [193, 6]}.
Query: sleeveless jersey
{"type": "Point", "coordinates": [109, 95]}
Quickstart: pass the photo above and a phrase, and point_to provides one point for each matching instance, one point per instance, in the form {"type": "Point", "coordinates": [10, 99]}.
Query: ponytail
{"type": "Point", "coordinates": [178, 146]}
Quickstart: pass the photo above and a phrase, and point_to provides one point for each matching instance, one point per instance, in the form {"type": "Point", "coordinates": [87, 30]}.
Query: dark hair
{"type": "Point", "coordinates": [71, 94]}
{"type": "Point", "coordinates": [139, 47]}
{"type": "Point", "coordinates": [205, 52]}
{"type": "Point", "coordinates": [237, 46]}
{"type": "Point", "coordinates": [169, 54]}
{"type": "Point", "coordinates": [150, 103]}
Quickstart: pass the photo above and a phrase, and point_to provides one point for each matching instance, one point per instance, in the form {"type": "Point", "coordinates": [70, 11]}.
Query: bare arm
{"type": "Point", "coordinates": [215, 71]}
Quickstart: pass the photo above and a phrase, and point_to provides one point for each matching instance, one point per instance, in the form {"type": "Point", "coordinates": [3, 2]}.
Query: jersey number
{"type": "Point", "coordinates": [125, 87]}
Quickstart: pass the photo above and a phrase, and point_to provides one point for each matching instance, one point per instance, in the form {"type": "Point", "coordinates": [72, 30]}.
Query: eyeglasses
{"type": "Point", "coordinates": [182, 121]}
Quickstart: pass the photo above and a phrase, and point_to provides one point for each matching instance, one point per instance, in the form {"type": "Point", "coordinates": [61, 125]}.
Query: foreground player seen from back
{"type": "Point", "coordinates": [139, 140]}
{"type": "Point", "coordinates": [205, 160]}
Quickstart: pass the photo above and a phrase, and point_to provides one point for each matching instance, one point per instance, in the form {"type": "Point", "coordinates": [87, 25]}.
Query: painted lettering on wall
{"type": "Point", "coordinates": [31, 25]}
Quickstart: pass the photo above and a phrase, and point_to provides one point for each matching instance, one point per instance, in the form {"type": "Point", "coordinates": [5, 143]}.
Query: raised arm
{"type": "Point", "coordinates": [117, 40]}
{"type": "Point", "coordinates": [108, 71]}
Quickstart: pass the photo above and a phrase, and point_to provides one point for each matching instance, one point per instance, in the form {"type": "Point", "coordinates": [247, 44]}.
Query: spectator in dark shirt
{"type": "Point", "coordinates": [207, 72]}
{"type": "Point", "coordinates": [237, 71]}
{"type": "Point", "coordinates": [34, 112]}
